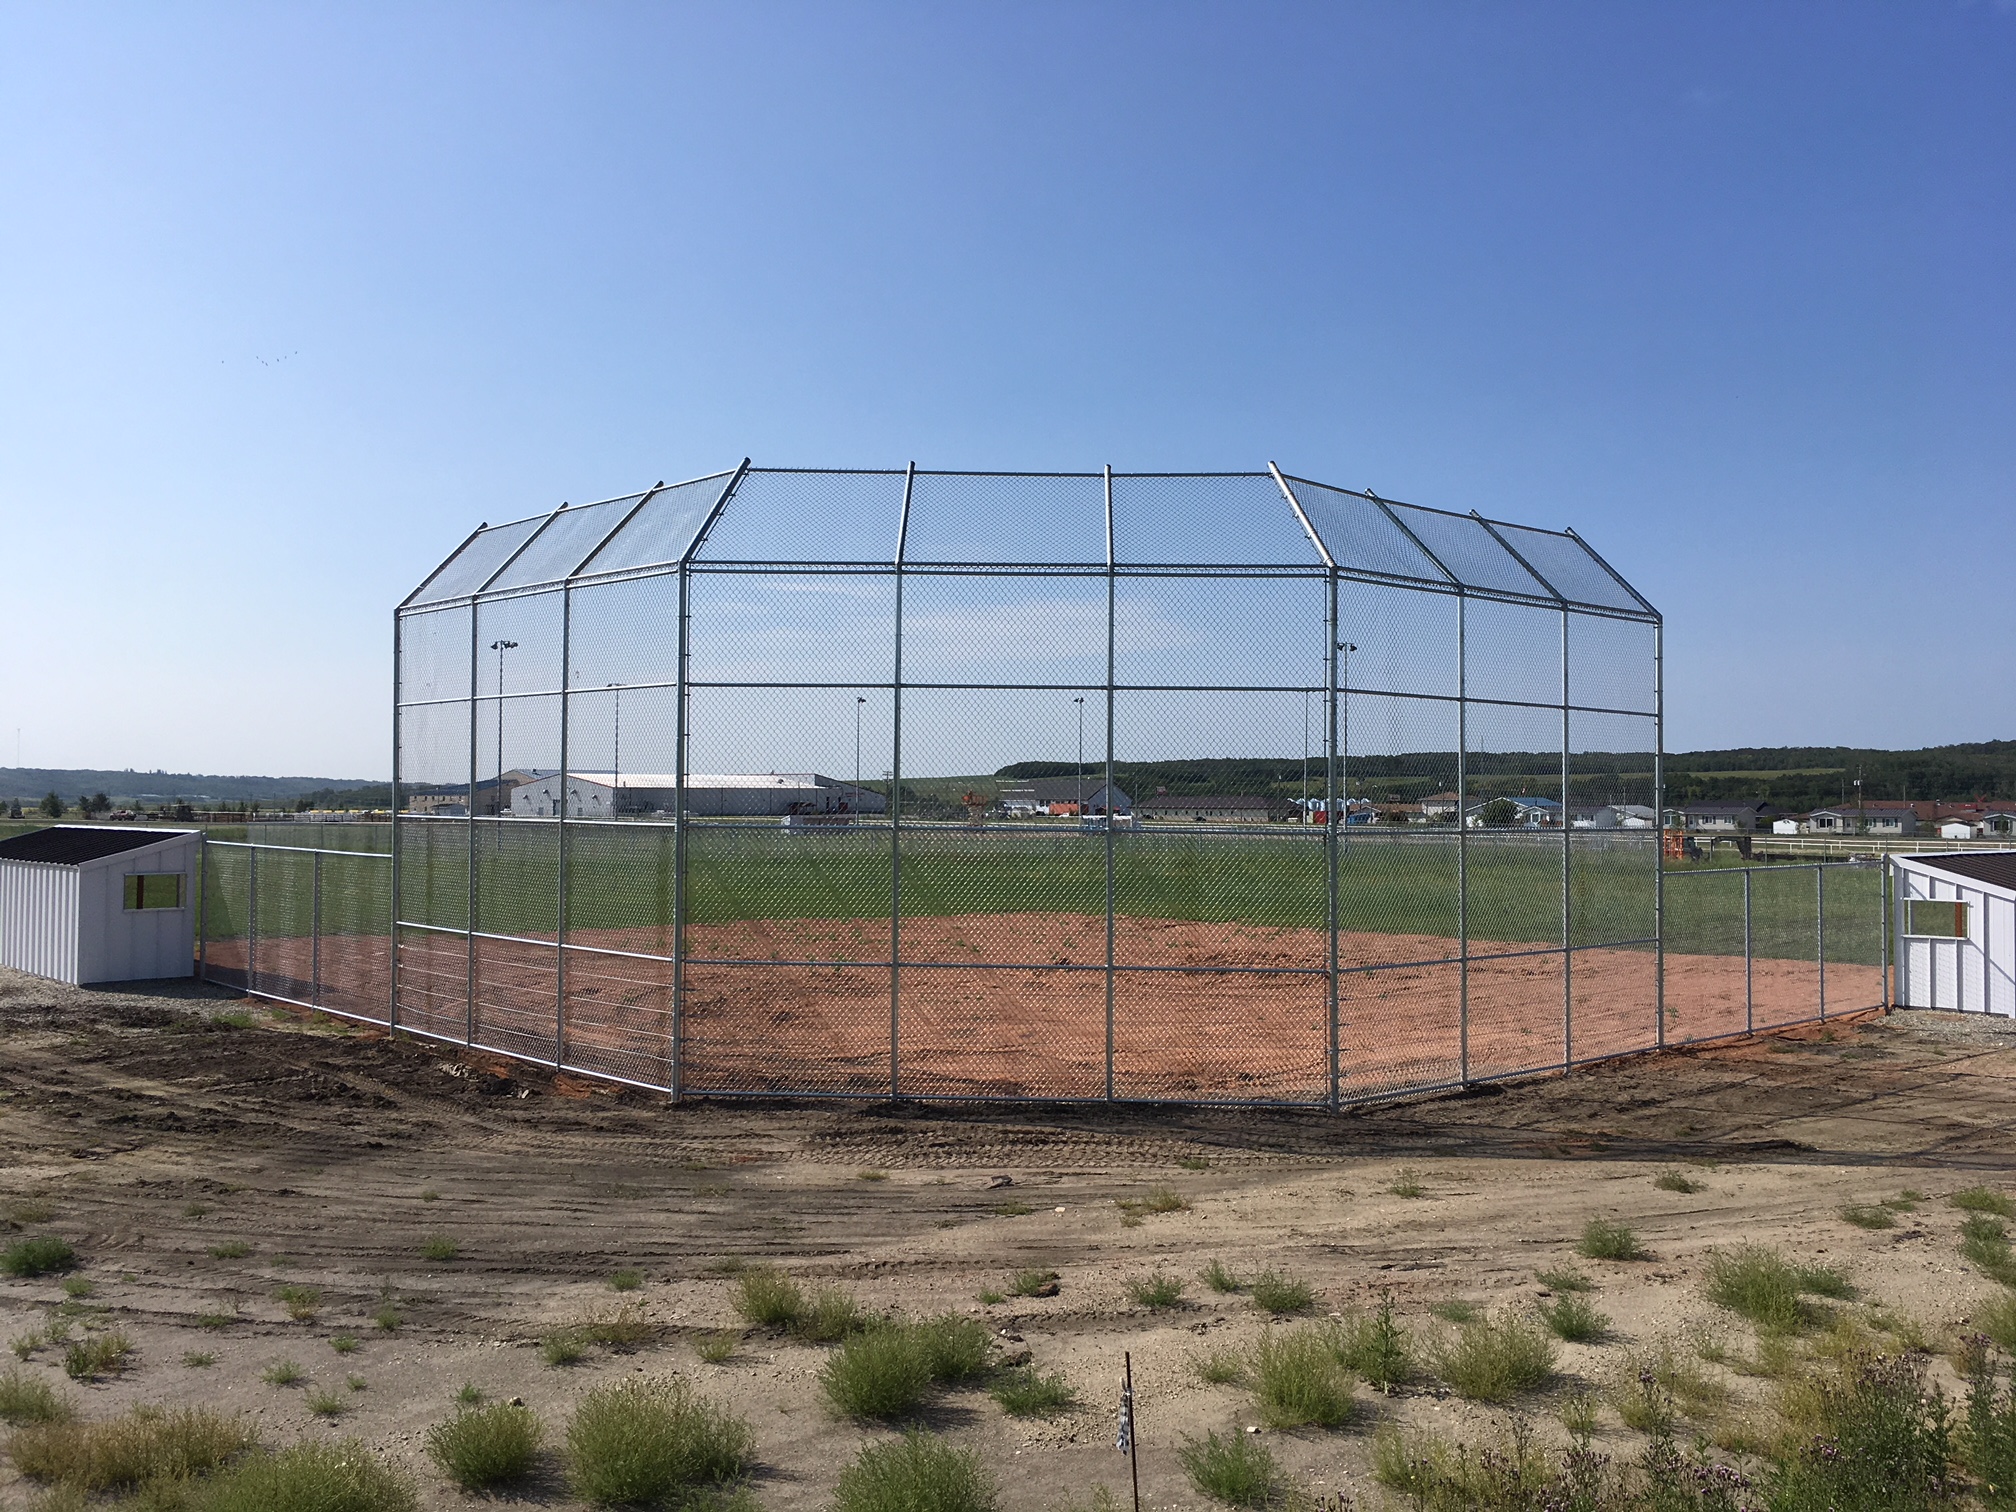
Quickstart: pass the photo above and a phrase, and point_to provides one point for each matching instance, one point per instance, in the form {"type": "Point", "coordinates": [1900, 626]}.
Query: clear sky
{"type": "Point", "coordinates": [292, 296]}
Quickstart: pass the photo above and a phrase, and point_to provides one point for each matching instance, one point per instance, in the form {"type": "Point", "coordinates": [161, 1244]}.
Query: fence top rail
{"type": "Point", "coordinates": [1831, 863]}
{"type": "Point", "coordinates": [300, 850]}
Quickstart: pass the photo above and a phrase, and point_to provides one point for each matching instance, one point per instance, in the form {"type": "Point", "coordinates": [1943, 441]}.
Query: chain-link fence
{"type": "Point", "coordinates": [302, 924]}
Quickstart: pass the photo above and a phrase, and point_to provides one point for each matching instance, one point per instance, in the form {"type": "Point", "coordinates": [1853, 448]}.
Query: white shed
{"type": "Point", "coordinates": [99, 903]}
{"type": "Point", "coordinates": [1956, 931]}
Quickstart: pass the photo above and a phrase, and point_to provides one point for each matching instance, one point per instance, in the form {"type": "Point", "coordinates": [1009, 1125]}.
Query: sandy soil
{"type": "Point", "coordinates": [153, 1132]}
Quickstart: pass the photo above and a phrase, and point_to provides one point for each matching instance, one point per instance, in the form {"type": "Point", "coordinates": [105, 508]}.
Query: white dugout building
{"type": "Point", "coordinates": [1956, 931]}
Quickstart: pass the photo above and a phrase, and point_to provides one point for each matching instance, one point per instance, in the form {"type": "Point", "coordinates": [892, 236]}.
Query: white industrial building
{"type": "Point", "coordinates": [1956, 931]}
{"type": "Point", "coordinates": [606, 795]}
{"type": "Point", "coordinates": [99, 903]}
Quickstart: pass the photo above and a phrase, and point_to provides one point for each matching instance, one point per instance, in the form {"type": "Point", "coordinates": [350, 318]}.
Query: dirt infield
{"type": "Point", "coordinates": [1016, 1005]}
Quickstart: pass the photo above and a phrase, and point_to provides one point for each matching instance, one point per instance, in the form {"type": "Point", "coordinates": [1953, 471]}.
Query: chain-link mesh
{"type": "Point", "coordinates": [916, 784]}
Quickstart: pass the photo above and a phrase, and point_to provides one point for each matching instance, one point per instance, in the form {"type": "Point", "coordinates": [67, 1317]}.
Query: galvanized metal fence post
{"type": "Point", "coordinates": [315, 935]}
{"type": "Point", "coordinates": [1884, 884]}
{"type": "Point", "coordinates": [469, 917]}
{"type": "Point", "coordinates": [1112, 594]}
{"type": "Point", "coordinates": [252, 917]}
{"type": "Point", "coordinates": [1659, 823]}
{"type": "Point", "coordinates": [203, 906]}
{"type": "Point", "coordinates": [1462, 842]}
{"type": "Point", "coordinates": [560, 832]}
{"type": "Point", "coordinates": [1820, 931]}
{"type": "Point", "coordinates": [1567, 866]}
{"type": "Point", "coordinates": [1749, 958]}
{"type": "Point", "coordinates": [895, 801]}
{"type": "Point", "coordinates": [1333, 819]}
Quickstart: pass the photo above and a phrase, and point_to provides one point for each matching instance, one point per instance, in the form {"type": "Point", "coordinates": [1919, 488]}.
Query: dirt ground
{"type": "Point", "coordinates": [153, 1131]}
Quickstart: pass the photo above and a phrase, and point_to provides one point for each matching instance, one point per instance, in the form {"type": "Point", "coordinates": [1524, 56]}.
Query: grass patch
{"type": "Point", "coordinates": [302, 1302]}
{"type": "Point", "coordinates": [1157, 1199]}
{"type": "Point", "coordinates": [651, 1440]}
{"type": "Point", "coordinates": [439, 1247]}
{"type": "Point", "coordinates": [1563, 1280]}
{"type": "Point", "coordinates": [767, 1298]}
{"type": "Point", "coordinates": [1984, 1241]}
{"type": "Point", "coordinates": [1571, 1318]}
{"type": "Point", "coordinates": [30, 1210]}
{"type": "Point", "coordinates": [313, 1477]}
{"type": "Point", "coordinates": [1298, 1379]}
{"type": "Point", "coordinates": [1281, 1295]}
{"type": "Point", "coordinates": [1678, 1181]}
{"type": "Point", "coordinates": [1376, 1346]}
{"type": "Point", "coordinates": [1024, 1393]}
{"type": "Point", "coordinates": [1014, 1207]}
{"type": "Point", "coordinates": [717, 1348]}
{"type": "Point", "coordinates": [830, 1316]}
{"type": "Point", "coordinates": [871, 1175]}
{"type": "Point", "coordinates": [1407, 1183]}
{"type": "Point", "coordinates": [471, 1395]}
{"type": "Point", "coordinates": [1868, 1215]}
{"type": "Point", "coordinates": [105, 1354]}
{"type": "Point", "coordinates": [1606, 1239]}
{"type": "Point", "coordinates": [1033, 1283]}
{"type": "Point", "coordinates": [149, 1444]}
{"type": "Point", "coordinates": [327, 1403]}
{"type": "Point", "coordinates": [1220, 1279]}
{"type": "Point", "coordinates": [230, 1249]}
{"type": "Point", "coordinates": [991, 1296]}
{"type": "Point", "coordinates": [199, 1359]}
{"type": "Point", "coordinates": [344, 1344]}
{"type": "Point", "coordinates": [76, 1288]}
{"type": "Point", "coordinates": [388, 1318]}
{"type": "Point", "coordinates": [1157, 1291]}
{"type": "Point", "coordinates": [484, 1447]}
{"type": "Point", "coordinates": [955, 1348]}
{"type": "Point", "coordinates": [355, 1382]}
{"type": "Point", "coordinates": [562, 1348]}
{"type": "Point", "coordinates": [1996, 1319]}
{"type": "Point", "coordinates": [880, 1376]}
{"type": "Point", "coordinates": [1981, 1199]}
{"type": "Point", "coordinates": [626, 1280]}
{"type": "Point", "coordinates": [1905, 1201]}
{"type": "Point", "coordinates": [1193, 1163]}
{"type": "Point", "coordinates": [1495, 1360]}
{"type": "Point", "coordinates": [1236, 1469]}
{"type": "Point", "coordinates": [38, 1255]}
{"type": "Point", "coordinates": [283, 1373]}
{"type": "Point", "coordinates": [624, 1329]}
{"type": "Point", "coordinates": [916, 1473]}
{"type": "Point", "coordinates": [1219, 1367]}
{"type": "Point", "coordinates": [1760, 1285]}
{"type": "Point", "coordinates": [26, 1398]}
{"type": "Point", "coordinates": [212, 1322]}
{"type": "Point", "coordinates": [1455, 1310]}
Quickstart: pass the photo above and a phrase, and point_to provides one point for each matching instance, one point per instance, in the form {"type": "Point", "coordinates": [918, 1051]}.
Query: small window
{"type": "Point", "coordinates": [154, 890]}
{"type": "Point", "coordinates": [1941, 918]}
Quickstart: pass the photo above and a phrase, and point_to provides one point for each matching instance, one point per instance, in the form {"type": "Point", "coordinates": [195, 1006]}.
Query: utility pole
{"type": "Point", "coordinates": [616, 759]}
{"type": "Point", "coordinates": [497, 796]}
{"type": "Point", "coordinates": [858, 703]}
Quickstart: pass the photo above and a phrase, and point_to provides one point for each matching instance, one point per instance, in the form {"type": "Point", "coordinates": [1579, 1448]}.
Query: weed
{"type": "Point", "coordinates": [213, 1321]}
{"type": "Point", "coordinates": [1023, 1393]}
{"type": "Point", "coordinates": [626, 1280]}
{"type": "Point", "coordinates": [354, 1382]}
{"type": "Point", "coordinates": [40, 1255]}
{"type": "Point", "coordinates": [1564, 1280]}
{"type": "Point", "coordinates": [1656, 1381]}
{"type": "Point", "coordinates": [562, 1348]}
{"type": "Point", "coordinates": [230, 1249]}
{"type": "Point", "coordinates": [428, 1194]}
{"type": "Point", "coordinates": [76, 1288]}
{"type": "Point", "coordinates": [328, 1404]}
{"type": "Point", "coordinates": [1455, 1310]}
{"type": "Point", "coordinates": [649, 1439]}
{"type": "Point", "coordinates": [1221, 1367]}
{"type": "Point", "coordinates": [1014, 1207]}
{"type": "Point", "coordinates": [199, 1359]}
{"type": "Point", "coordinates": [1495, 1360]}
{"type": "Point", "coordinates": [1298, 1379]}
{"type": "Point", "coordinates": [311, 1477]}
{"type": "Point", "coordinates": [1606, 1239]}
{"type": "Point", "coordinates": [344, 1344]}
{"type": "Point", "coordinates": [624, 1329]}
{"type": "Point", "coordinates": [1981, 1199]}
{"type": "Point", "coordinates": [830, 1316]}
{"type": "Point", "coordinates": [916, 1473]}
{"type": "Point", "coordinates": [25, 1345]}
{"type": "Point", "coordinates": [149, 1444]}
{"type": "Point", "coordinates": [1578, 1413]}
{"type": "Point", "coordinates": [871, 1175]}
{"type": "Point", "coordinates": [471, 1395]}
{"type": "Point", "coordinates": [302, 1302]}
{"type": "Point", "coordinates": [955, 1348]}
{"type": "Point", "coordinates": [991, 1296]}
{"type": "Point", "coordinates": [388, 1318]}
{"type": "Point", "coordinates": [1407, 1183]}
{"type": "Point", "coordinates": [1281, 1295]}
{"type": "Point", "coordinates": [1157, 1199]}
{"type": "Point", "coordinates": [1157, 1291]}
{"type": "Point", "coordinates": [30, 1210]}
{"type": "Point", "coordinates": [439, 1247]}
{"type": "Point", "coordinates": [1678, 1181]}
{"type": "Point", "coordinates": [1870, 1424]}
{"type": "Point", "coordinates": [1905, 1201]}
{"type": "Point", "coordinates": [102, 1355]}
{"type": "Point", "coordinates": [1996, 1318]}
{"type": "Point", "coordinates": [1237, 1469]}
{"type": "Point", "coordinates": [881, 1376]}
{"type": "Point", "coordinates": [1868, 1215]}
{"type": "Point", "coordinates": [1220, 1279]}
{"type": "Point", "coordinates": [768, 1298]}
{"type": "Point", "coordinates": [1573, 1319]}
{"type": "Point", "coordinates": [717, 1348]}
{"type": "Point", "coordinates": [1377, 1347]}
{"type": "Point", "coordinates": [482, 1447]}
{"type": "Point", "coordinates": [1193, 1163]}
{"type": "Point", "coordinates": [1988, 1432]}
{"type": "Point", "coordinates": [1826, 1281]}
{"type": "Point", "coordinates": [1033, 1283]}
{"type": "Point", "coordinates": [283, 1373]}
{"type": "Point", "coordinates": [1760, 1285]}
{"type": "Point", "coordinates": [30, 1399]}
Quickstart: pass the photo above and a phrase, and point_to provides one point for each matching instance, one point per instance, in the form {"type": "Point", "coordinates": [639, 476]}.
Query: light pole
{"type": "Point", "coordinates": [1344, 731]}
{"type": "Point", "coordinates": [858, 704]}
{"type": "Point", "coordinates": [616, 758]}
{"type": "Point", "coordinates": [497, 796]}
{"type": "Point", "coordinates": [1080, 701]}
{"type": "Point", "coordinates": [1305, 755]}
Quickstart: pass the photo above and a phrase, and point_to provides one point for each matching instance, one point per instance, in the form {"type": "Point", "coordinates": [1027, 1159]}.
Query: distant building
{"type": "Point", "coordinates": [1612, 816]}
{"type": "Point", "coordinates": [451, 800]}
{"type": "Point", "coordinates": [1876, 817]}
{"type": "Point", "coordinates": [1439, 806]}
{"type": "Point", "coordinates": [1728, 818]}
{"type": "Point", "coordinates": [1063, 796]}
{"type": "Point", "coordinates": [1527, 813]}
{"type": "Point", "coordinates": [607, 795]}
{"type": "Point", "coordinates": [1232, 808]}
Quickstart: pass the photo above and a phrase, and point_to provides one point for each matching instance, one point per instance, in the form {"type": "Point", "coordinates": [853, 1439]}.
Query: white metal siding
{"type": "Point", "coordinates": [39, 919]}
{"type": "Point", "coordinates": [127, 945]}
{"type": "Point", "coordinates": [1971, 975]}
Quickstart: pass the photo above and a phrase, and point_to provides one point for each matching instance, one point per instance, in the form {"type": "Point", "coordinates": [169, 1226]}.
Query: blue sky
{"type": "Point", "coordinates": [291, 297]}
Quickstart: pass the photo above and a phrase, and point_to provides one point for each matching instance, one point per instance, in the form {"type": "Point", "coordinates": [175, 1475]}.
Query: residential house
{"type": "Point", "coordinates": [1221, 808]}
{"type": "Point", "coordinates": [1064, 796]}
{"type": "Point", "coordinates": [1728, 818]}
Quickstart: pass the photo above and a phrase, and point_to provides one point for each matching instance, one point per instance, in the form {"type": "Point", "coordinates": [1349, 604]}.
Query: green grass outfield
{"type": "Point", "coordinates": [620, 877]}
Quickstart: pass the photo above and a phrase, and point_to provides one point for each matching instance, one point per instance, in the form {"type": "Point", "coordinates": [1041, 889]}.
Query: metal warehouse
{"type": "Point", "coordinates": [89, 903]}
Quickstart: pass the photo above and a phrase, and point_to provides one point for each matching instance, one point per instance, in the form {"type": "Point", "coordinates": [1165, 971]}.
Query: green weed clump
{"type": "Point", "coordinates": [77, 1288]}
{"type": "Point", "coordinates": [1573, 1319]}
{"type": "Point", "coordinates": [829, 1316]}
{"type": "Point", "coordinates": [328, 1403]}
{"type": "Point", "coordinates": [1760, 1285]}
{"type": "Point", "coordinates": [1219, 1367]}
{"type": "Point", "coordinates": [624, 1329]}
{"type": "Point", "coordinates": [1984, 1241]}
{"type": "Point", "coordinates": [1564, 1280]}
{"type": "Point", "coordinates": [1033, 1283]}
{"type": "Point", "coordinates": [1236, 1469]}
{"type": "Point", "coordinates": [302, 1302]}
{"type": "Point", "coordinates": [26, 1398]}
{"type": "Point", "coordinates": [1678, 1181]}
{"type": "Point", "coordinates": [1981, 1199]}
{"type": "Point", "coordinates": [882, 1376]}
{"type": "Point", "coordinates": [1376, 1346]}
{"type": "Point", "coordinates": [767, 1298]}
{"type": "Point", "coordinates": [1870, 1435]}
{"type": "Point", "coordinates": [1996, 1319]}
{"type": "Point", "coordinates": [1221, 1280]}
{"type": "Point", "coordinates": [649, 1440]}
{"type": "Point", "coordinates": [1281, 1295]}
{"type": "Point", "coordinates": [1495, 1360]}
{"type": "Point", "coordinates": [916, 1473]}
{"type": "Point", "coordinates": [955, 1348]}
{"type": "Point", "coordinates": [230, 1249]}
{"type": "Point", "coordinates": [626, 1280]}
{"type": "Point", "coordinates": [313, 1477]}
{"type": "Point", "coordinates": [483, 1447]}
{"type": "Point", "coordinates": [1155, 1291]}
{"type": "Point", "coordinates": [148, 1444]}
{"type": "Point", "coordinates": [1869, 1215]}
{"type": "Point", "coordinates": [1024, 1393]}
{"type": "Point", "coordinates": [283, 1373]}
{"type": "Point", "coordinates": [388, 1318]}
{"type": "Point", "coordinates": [717, 1348]}
{"type": "Point", "coordinates": [562, 1347]}
{"type": "Point", "coordinates": [1455, 1310]}
{"type": "Point", "coordinates": [1298, 1379]}
{"type": "Point", "coordinates": [1157, 1199]}
{"type": "Point", "coordinates": [1987, 1439]}
{"type": "Point", "coordinates": [39, 1255]}
{"type": "Point", "coordinates": [1606, 1239]}
{"type": "Point", "coordinates": [439, 1247]}
{"type": "Point", "coordinates": [1407, 1182]}
{"type": "Point", "coordinates": [100, 1355]}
